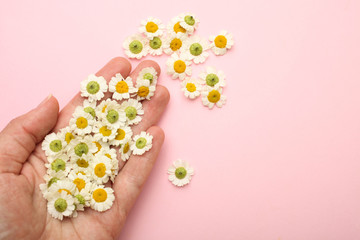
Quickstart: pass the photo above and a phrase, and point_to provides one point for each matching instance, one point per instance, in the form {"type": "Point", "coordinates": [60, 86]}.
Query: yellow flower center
{"type": "Point", "coordinates": [122, 87]}
{"type": "Point", "coordinates": [100, 169]}
{"type": "Point", "coordinates": [104, 108]}
{"type": "Point", "coordinates": [179, 66]}
{"type": "Point", "coordinates": [151, 27]}
{"type": "Point", "coordinates": [81, 172]}
{"type": "Point", "coordinates": [126, 148]}
{"type": "Point", "coordinates": [100, 195]}
{"type": "Point", "coordinates": [220, 41]}
{"type": "Point", "coordinates": [120, 134]}
{"type": "Point", "coordinates": [105, 131]}
{"type": "Point", "coordinates": [65, 190]}
{"type": "Point", "coordinates": [191, 87]}
{"type": "Point", "coordinates": [108, 155]}
{"type": "Point", "coordinates": [213, 96]}
{"type": "Point", "coordinates": [179, 28]}
{"type": "Point", "coordinates": [143, 91]}
{"type": "Point", "coordinates": [175, 44]}
{"type": "Point", "coordinates": [68, 137]}
{"type": "Point", "coordinates": [81, 122]}
{"type": "Point", "coordinates": [80, 183]}
{"type": "Point", "coordinates": [98, 145]}
{"type": "Point", "coordinates": [82, 163]}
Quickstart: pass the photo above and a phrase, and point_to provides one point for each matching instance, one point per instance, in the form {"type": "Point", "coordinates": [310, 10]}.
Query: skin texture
{"type": "Point", "coordinates": [23, 209]}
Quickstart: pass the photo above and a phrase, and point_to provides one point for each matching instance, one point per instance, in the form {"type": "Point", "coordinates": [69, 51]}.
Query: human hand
{"type": "Point", "coordinates": [22, 206]}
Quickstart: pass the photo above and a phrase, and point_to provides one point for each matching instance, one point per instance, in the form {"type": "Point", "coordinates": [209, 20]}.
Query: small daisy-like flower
{"type": "Point", "coordinates": [189, 22]}
{"type": "Point", "coordinates": [102, 198]}
{"type": "Point", "coordinates": [67, 134]}
{"type": "Point", "coordinates": [50, 179]}
{"type": "Point", "coordinates": [135, 46]}
{"type": "Point", "coordinates": [101, 169]}
{"type": "Point", "coordinates": [156, 46]}
{"type": "Point", "coordinates": [174, 43]}
{"type": "Point", "coordinates": [103, 132]}
{"type": "Point", "coordinates": [80, 180]}
{"type": "Point", "coordinates": [82, 146]}
{"type": "Point", "coordinates": [84, 196]}
{"type": "Point", "coordinates": [211, 77]}
{"type": "Point", "coordinates": [61, 205]}
{"type": "Point", "coordinates": [148, 73]}
{"type": "Point", "coordinates": [142, 143]}
{"type": "Point", "coordinates": [175, 27]}
{"type": "Point", "coordinates": [93, 88]}
{"type": "Point", "coordinates": [133, 109]}
{"type": "Point", "coordinates": [110, 113]}
{"type": "Point", "coordinates": [144, 90]}
{"type": "Point", "coordinates": [178, 67]}
{"type": "Point", "coordinates": [195, 49]}
{"type": "Point", "coordinates": [122, 88]}
{"type": "Point", "coordinates": [212, 96]}
{"type": "Point", "coordinates": [180, 173]}
{"type": "Point", "coordinates": [122, 134]}
{"type": "Point", "coordinates": [60, 186]}
{"type": "Point", "coordinates": [221, 43]}
{"type": "Point", "coordinates": [82, 122]}
{"type": "Point", "coordinates": [89, 107]}
{"type": "Point", "coordinates": [191, 88]}
{"type": "Point", "coordinates": [100, 146]}
{"type": "Point", "coordinates": [125, 150]}
{"type": "Point", "coordinates": [53, 144]}
{"type": "Point", "coordinates": [152, 27]}
{"type": "Point", "coordinates": [110, 153]}
{"type": "Point", "coordinates": [57, 164]}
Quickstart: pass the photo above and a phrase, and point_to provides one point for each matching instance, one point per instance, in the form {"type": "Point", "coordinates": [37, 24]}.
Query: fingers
{"type": "Point", "coordinates": [21, 135]}
{"type": "Point", "coordinates": [132, 177]}
{"type": "Point", "coordinates": [116, 65]}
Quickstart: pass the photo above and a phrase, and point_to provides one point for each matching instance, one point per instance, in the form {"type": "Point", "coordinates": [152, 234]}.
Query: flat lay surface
{"type": "Point", "coordinates": [280, 160]}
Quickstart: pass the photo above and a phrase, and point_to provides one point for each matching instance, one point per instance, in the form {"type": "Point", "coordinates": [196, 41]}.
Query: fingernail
{"type": "Point", "coordinates": [45, 100]}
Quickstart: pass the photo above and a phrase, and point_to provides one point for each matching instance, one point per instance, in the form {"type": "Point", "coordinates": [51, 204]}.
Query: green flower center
{"type": "Point", "coordinates": [141, 143]}
{"type": "Point", "coordinates": [55, 145]}
{"type": "Point", "coordinates": [81, 148]}
{"type": "Point", "coordinates": [81, 199]}
{"type": "Point", "coordinates": [212, 79]}
{"type": "Point", "coordinates": [130, 112]}
{"type": "Point", "coordinates": [58, 164]}
{"type": "Point", "coordinates": [149, 77]}
{"type": "Point", "coordinates": [112, 116]}
{"type": "Point", "coordinates": [93, 87]}
{"type": "Point", "coordinates": [90, 110]}
{"type": "Point", "coordinates": [51, 181]}
{"type": "Point", "coordinates": [135, 47]}
{"type": "Point", "coordinates": [196, 49]}
{"type": "Point", "coordinates": [189, 20]}
{"type": "Point", "coordinates": [155, 43]}
{"type": "Point", "coordinates": [60, 205]}
{"type": "Point", "coordinates": [180, 172]}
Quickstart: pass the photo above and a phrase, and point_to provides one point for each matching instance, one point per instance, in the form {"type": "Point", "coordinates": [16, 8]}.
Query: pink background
{"type": "Point", "coordinates": [280, 160]}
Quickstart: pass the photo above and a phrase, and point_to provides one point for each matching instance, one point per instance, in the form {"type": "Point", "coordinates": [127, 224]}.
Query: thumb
{"type": "Point", "coordinates": [19, 138]}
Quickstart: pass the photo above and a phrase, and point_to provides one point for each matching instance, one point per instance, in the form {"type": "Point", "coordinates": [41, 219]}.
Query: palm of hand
{"type": "Point", "coordinates": [24, 210]}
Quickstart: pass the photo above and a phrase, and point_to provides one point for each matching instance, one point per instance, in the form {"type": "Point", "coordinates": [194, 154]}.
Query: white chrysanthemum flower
{"type": "Point", "coordinates": [53, 144]}
{"type": "Point", "coordinates": [156, 46]}
{"type": "Point", "coordinates": [80, 180]}
{"type": "Point", "coordinates": [144, 90]}
{"type": "Point", "coordinates": [81, 162]}
{"type": "Point", "coordinates": [212, 77]}
{"type": "Point", "coordinates": [152, 27]}
{"type": "Point", "coordinates": [102, 198]}
{"type": "Point", "coordinates": [125, 150]}
{"type": "Point", "coordinates": [133, 109]}
{"type": "Point", "coordinates": [60, 186]}
{"type": "Point", "coordinates": [212, 96]}
{"type": "Point", "coordinates": [110, 153]}
{"type": "Point", "coordinates": [84, 196]}
{"type": "Point", "coordinates": [180, 173]}
{"type": "Point", "coordinates": [109, 112]}
{"type": "Point", "coordinates": [189, 22]}
{"type": "Point", "coordinates": [174, 43]}
{"type": "Point", "coordinates": [136, 46]}
{"type": "Point", "coordinates": [178, 67]}
{"type": "Point", "coordinates": [195, 48]}
{"type": "Point", "coordinates": [221, 43]}
{"type": "Point", "coordinates": [191, 88]}
{"type": "Point", "coordinates": [82, 146]}
{"type": "Point", "coordinates": [112, 156]}
{"type": "Point", "coordinates": [142, 143]}
{"type": "Point", "coordinates": [61, 205]}
{"type": "Point", "coordinates": [60, 163]}
{"type": "Point", "coordinates": [101, 145]}
{"type": "Point", "coordinates": [148, 73]}
{"type": "Point", "coordinates": [103, 132]}
{"type": "Point", "coordinates": [50, 179]}
{"type": "Point", "coordinates": [66, 134]}
{"type": "Point", "coordinates": [89, 107]}
{"type": "Point", "coordinates": [175, 27]}
{"type": "Point", "coordinates": [82, 122]}
{"type": "Point", "coordinates": [122, 134]}
{"type": "Point", "coordinates": [121, 88]}
{"type": "Point", "coordinates": [93, 87]}
{"type": "Point", "coordinates": [101, 169]}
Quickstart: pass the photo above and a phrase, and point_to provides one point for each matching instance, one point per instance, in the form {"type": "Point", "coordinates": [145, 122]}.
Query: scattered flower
{"type": "Point", "coordinates": [221, 43]}
{"type": "Point", "coordinates": [180, 173]}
